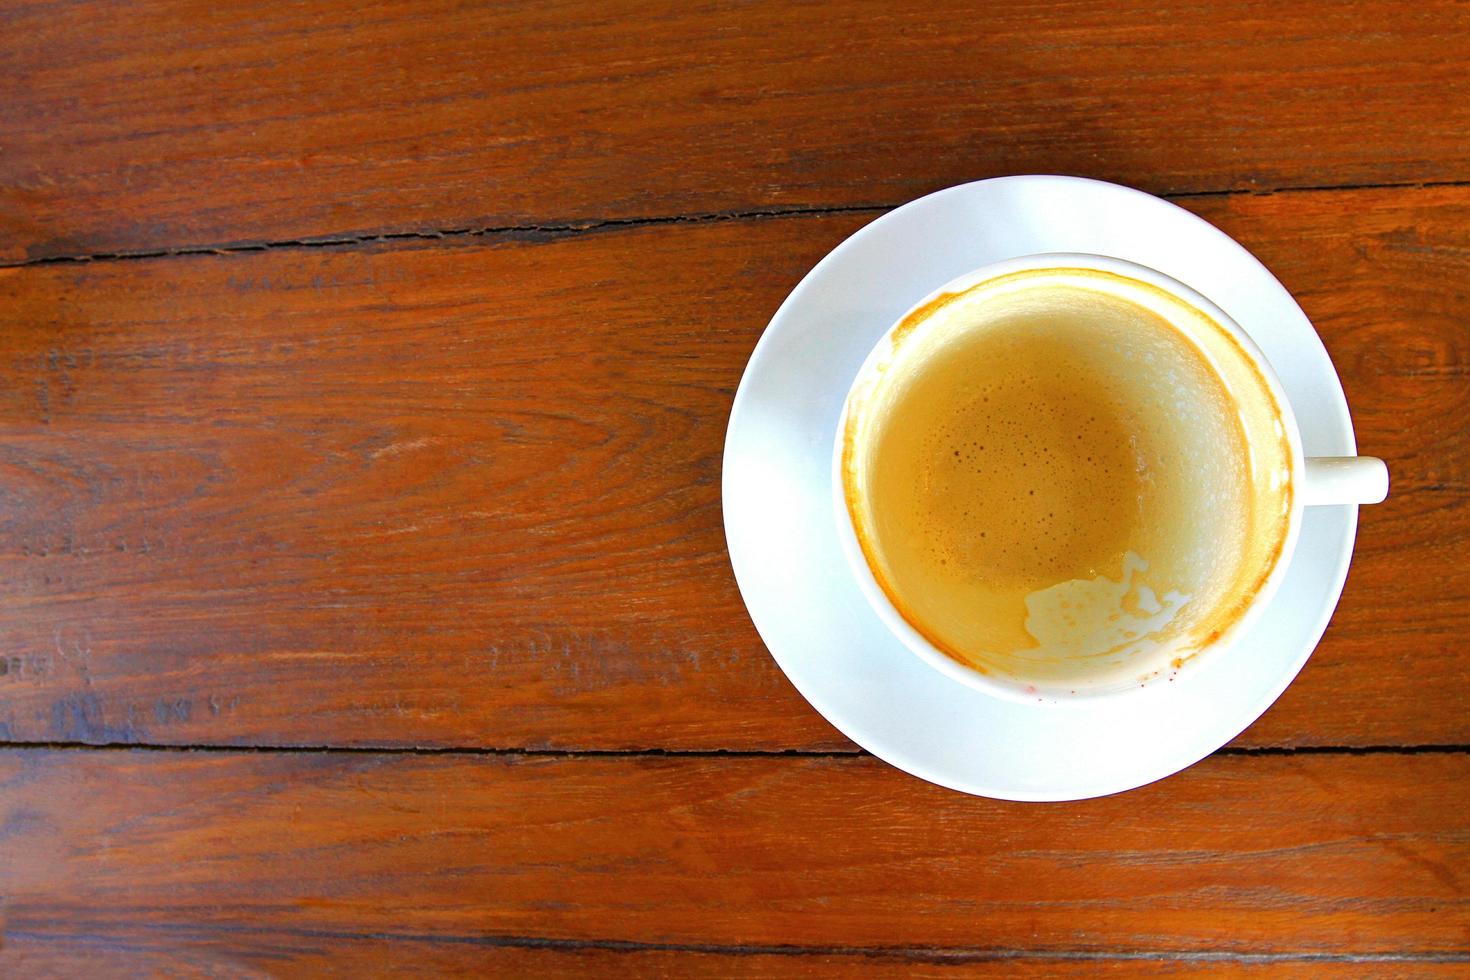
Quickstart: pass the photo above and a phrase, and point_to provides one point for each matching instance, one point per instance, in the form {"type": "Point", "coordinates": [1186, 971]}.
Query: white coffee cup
{"type": "Point", "coordinates": [1316, 481]}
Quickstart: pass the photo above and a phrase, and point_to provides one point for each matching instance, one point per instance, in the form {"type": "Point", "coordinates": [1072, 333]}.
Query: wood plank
{"type": "Point", "coordinates": [1385, 277]}
{"type": "Point", "coordinates": [183, 955]}
{"type": "Point", "coordinates": [249, 854]}
{"type": "Point", "coordinates": [468, 495]}
{"type": "Point", "coordinates": [137, 126]}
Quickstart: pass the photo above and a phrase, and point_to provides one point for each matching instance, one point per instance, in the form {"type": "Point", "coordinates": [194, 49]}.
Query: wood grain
{"type": "Point", "coordinates": [182, 956]}
{"type": "Point", "coordinates": [142, 126]}
{"type": "Point", "coordinates": [244, 855]}
{"type": "Point", "coordinates": [1385, 277]}
{"type": "Point", "coordinates": [467, 495]}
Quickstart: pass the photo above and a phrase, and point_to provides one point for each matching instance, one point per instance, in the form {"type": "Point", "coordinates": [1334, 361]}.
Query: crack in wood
{"type": "Point", "coordinates": [472, 750]}
{"type": "Point", "coordinates": [550, 231]}
{"type": "Point", "coordinates": [936, 954]}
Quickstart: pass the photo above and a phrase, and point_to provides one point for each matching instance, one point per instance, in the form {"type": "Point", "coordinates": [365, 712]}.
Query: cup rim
{"type": "Point", "coordinates": [1026, 693]}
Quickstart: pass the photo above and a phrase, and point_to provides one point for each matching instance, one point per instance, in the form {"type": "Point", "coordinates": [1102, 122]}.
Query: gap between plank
{"type": "Point", "coordinates": [549, 231]}
{"type": "Point", "coordinates": [543, 232]}
{"type": "Point", "coordinates": [935, 954]}
{"type": "Point", "coordinates": [470, 750]}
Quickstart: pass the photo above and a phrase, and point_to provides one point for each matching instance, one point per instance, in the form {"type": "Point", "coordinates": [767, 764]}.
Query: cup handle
{"type": "Point", "coordinates": [1344, 480]}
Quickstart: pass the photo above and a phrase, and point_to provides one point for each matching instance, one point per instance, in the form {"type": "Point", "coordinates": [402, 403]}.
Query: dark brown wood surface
{"type": "Point", "coordinates": [174, 955]}
{"type": "Point", "coordinates": [364, 374]}
{"type": "Point", "coordinates": [191, 123]}
{"type": "Point", "coordinates": [725, 855]}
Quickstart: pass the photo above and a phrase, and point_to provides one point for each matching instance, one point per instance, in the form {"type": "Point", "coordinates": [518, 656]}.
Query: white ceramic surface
{"type": "Point", "coordinates": [782, 533]}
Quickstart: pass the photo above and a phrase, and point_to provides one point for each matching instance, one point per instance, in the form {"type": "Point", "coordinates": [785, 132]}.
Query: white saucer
{"type": "Point", "coordinates": [781, 529]}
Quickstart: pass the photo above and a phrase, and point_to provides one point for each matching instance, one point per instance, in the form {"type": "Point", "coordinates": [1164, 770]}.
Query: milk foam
{"type": "Point", "coordinates": [1051, 480]}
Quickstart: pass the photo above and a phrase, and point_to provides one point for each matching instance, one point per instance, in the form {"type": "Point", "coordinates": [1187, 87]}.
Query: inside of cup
{"type": "Point", "coordinates": [1125, 579]}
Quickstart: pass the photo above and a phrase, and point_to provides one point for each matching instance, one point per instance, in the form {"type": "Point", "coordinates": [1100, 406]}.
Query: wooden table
{"type": "Point", "coordinates": [364, 373]}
